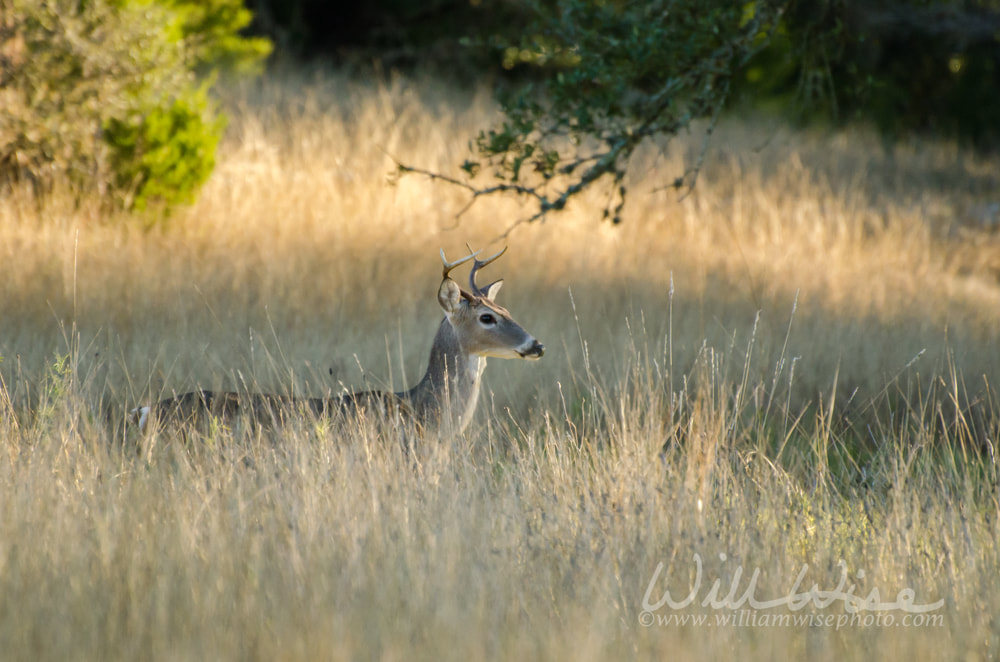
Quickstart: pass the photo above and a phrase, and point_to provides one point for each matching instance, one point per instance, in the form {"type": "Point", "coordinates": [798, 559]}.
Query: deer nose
{"type": "Point", "coordinates": [536, 351]}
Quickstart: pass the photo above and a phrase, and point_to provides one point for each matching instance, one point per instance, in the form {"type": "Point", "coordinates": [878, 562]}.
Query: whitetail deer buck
{"type": "Point", "coordinates": [474, 328]}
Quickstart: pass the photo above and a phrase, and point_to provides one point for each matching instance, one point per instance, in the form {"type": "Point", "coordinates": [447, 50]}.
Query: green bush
{"type": "Point", "coordinates": [102, 95]}
{"type": "Point", "coordinates": [210, 30]}
{"type": "Point", "coordinates": [165, 153]}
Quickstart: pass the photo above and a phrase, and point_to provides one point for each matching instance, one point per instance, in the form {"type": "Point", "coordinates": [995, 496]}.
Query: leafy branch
{"type": "Point", "coordinates": [605, 78]}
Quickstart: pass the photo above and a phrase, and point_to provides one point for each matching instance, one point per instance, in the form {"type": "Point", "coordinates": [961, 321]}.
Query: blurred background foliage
{"type": "Point", "coordinates": [582, 81]}
{"type": "Point", "coordinates": [114, 95]}
{"type": "Point", "coordinates": [906, 65]}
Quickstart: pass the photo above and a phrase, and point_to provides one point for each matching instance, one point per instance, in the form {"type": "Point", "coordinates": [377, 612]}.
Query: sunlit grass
{"type": "Point", "coordinates": [792, 366]}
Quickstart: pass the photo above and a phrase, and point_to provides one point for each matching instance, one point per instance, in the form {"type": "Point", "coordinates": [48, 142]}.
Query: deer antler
{"type": "Point", "coordinates": [448, 266]}
{"type": "Point", "coordinates": [479, 264]}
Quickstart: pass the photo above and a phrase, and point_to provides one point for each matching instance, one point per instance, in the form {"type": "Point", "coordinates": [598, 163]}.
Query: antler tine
{"type": "Point", "coordinates": [479, 264]}
{"type": "Point", "coordinates": [448, 266]}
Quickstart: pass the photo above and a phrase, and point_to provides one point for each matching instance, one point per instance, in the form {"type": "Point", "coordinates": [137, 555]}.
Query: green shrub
{"type": "Point", "coordinates": [210, 30]}
{"type": "Point", "coordinates": [166, 153]}
{"type": "Point", "coordinates": [102, 95]}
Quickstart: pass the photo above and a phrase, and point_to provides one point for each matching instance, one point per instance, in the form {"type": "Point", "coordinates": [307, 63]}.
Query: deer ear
{"type": "Point", "coordinates": [492, 289]}
{"type": "Point", "coordinates": [449, 296]}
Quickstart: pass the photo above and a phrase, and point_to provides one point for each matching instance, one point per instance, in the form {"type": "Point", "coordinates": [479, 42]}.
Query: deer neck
{"type": "Point", "coordinates": [446, 396]}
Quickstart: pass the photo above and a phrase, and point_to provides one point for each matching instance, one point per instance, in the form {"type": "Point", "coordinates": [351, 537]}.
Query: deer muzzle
{"type": "Point", "coordinates": [533, 352]}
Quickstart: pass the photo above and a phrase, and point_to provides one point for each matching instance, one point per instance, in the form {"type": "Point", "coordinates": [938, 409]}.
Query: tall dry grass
{"type": "Point", "coordinates": [793, 366]}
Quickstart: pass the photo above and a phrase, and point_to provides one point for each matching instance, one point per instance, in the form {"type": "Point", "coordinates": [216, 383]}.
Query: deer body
{"type": "Point", "coordinates": [474, 328]}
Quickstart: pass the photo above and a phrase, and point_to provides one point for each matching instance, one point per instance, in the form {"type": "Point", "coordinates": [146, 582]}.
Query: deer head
{"type": "Point", "coordinates": [482, 327]}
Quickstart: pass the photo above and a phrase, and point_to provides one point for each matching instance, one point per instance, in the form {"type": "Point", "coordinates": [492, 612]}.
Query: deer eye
{"type": "Point", "coordinates": [487, 318]}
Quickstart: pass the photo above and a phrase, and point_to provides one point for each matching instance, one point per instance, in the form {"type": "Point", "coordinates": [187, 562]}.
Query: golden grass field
{"type": "Point", "coordinates": [793, 367]}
